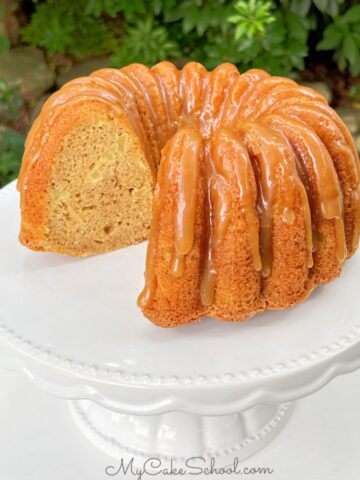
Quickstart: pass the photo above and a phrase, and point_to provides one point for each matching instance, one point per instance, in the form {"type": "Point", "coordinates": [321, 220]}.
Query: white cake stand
{"type": "Point", "coordinates": [211, 389]}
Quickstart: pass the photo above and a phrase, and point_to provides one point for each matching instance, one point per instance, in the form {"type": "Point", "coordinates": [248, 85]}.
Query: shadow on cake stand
{"type": "Point", "coordinates": [209, 390]}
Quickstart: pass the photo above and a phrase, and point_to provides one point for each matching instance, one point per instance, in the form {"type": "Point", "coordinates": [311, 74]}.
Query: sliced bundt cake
{"type": "Point", "coordinates": [255, 179]}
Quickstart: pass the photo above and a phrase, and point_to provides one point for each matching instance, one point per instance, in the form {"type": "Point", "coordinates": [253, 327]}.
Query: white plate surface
{"type": "Point", "coordinates": [82, 313]}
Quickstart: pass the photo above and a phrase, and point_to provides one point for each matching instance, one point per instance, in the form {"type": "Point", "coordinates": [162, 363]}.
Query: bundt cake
{"type": "Point", "coordinates": [249, 185]}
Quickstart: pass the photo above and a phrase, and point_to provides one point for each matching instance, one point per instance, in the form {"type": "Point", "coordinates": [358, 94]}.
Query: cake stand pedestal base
{"type": "Point", "coordinates": [176, 437]}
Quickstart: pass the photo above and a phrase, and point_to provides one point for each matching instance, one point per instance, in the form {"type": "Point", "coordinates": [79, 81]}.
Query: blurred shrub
{"type": "Point", "coordinates": [343, 36]}
{"type": "Point", "coordinates": [68, 27]}
{"type": "Point", "coordinates": [11, 151]}
{"type": "Point", "coordinates": [11, 142]}
{"type": "Point", "coordinates": [4, 41]}
{"type": "Point", "coordinates": [145, 43]}
{"type": "Point", "coordinates": [11, 102]}
{"type": "Point", "coordinates": [273, 34]}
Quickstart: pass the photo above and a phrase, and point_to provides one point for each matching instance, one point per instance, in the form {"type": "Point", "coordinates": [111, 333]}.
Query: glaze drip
{"type": "Point", "coordinates": [166, 170]}
{"type": "Point", "coordinates": [189, 147]}
{"type": "Point", "coordinates": [219, 208]}
{"type": "Point", "coordinates": [278, 184]}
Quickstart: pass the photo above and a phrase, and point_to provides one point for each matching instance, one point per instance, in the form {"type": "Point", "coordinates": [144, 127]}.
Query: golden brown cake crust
{"type": "Point", "coordinates": [257, 199]}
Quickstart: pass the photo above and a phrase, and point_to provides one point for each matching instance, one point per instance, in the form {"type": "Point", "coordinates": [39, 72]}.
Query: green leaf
{"type": "Point", "coordinates": [187, 25]}
{"type": "Point", "coordinates": [352, 15]}
{"type": "Point", "coordinates": [333, 7]}
{"type": "Point", "coordinates": [300, 7]}
{"type": "Point", "coordinates": [235, 18]}
{"type": "Point", "coordinates": [239, 31]}
{"type": "Point", "coordinates": [332, 37]}
{"type": "Point", "coordinates": [330, 7]}
{"type": "Point", "coordinates": [296, 26]}
{"type": "Point", "coordinates": [351, 50]}
{"type": "Point", "coordinates": [322, 5]}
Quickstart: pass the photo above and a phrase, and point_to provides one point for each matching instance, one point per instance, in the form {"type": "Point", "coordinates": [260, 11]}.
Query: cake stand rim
{"type": "Point", "coordinates": [197, 399]}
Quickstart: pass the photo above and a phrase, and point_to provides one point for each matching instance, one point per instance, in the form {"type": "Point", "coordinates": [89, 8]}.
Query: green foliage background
{"type": "Point", "coordinates": [272, 34]}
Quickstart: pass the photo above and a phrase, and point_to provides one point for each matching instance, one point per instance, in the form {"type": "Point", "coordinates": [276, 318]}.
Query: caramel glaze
{"type": "Point", "coordinates": [285, 134]}
{"type": "Point", "coordinates": [186, 145]}
{"type": "Point", "coordinates": [226, 152]}
{"type": "Point", "coordinates": [275, 169]}
{"type": "Point", "coordinates": [218, 206]}
{"type": "Point", "coordinates": [185, 206]}
{"type": "Point", "coordinates": [281, 154]}
{"type": "Point", "coordinates": [325, 192]}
